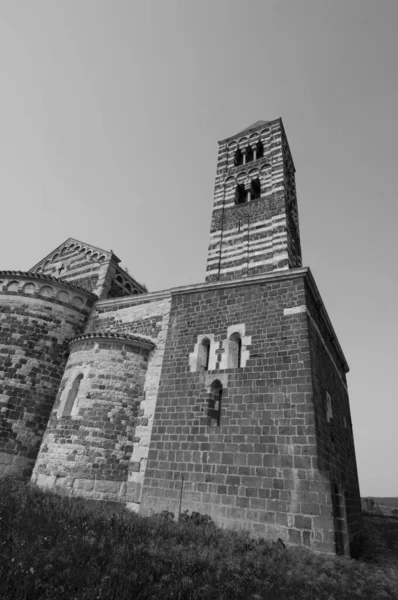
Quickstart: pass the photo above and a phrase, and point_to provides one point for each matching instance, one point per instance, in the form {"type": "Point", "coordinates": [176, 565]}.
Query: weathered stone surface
{"type": "Point", "coordinates": [237, 403]}
{"type": "Point", "coordinates": [37, 316]}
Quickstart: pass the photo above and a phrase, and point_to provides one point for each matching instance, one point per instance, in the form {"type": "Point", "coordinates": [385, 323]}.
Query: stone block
{"type": "Point", "coordinates": [301, 522]}
{"type": "Point", "coordinates": [133, 492]}
{"type": "Point", "coordinates": [6, 459]}
{"type": "Point", "coordinates": [107, 487]}
{"type": "Point", "coordinates": [295, 537]}
{"type": "Point", "coordinates": [84, 484]}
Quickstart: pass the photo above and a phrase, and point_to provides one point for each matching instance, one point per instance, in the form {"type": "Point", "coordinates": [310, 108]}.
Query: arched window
{"type": "Point", "coordinates": [119, 278]}
{"type": "Point", "coordinates": [234, 351]}
{"type": "Point", "coordinates": [72, 396]}
{"type": "Point", "coordinates": [214, 403]}
{"type": "Point", "coordinates": [238, 158]}
{"type": "Point", "coordinates": [128, 287]}
{"type": "Point", "coordinates": [204, 355]}
{"type": "Point", "coordinates": [240, 194]}
{"type": "Point", "coordinates": [255, 189]}
{"type": "Point", "coordinates": [249, 154]}
{"type": "Point", "coordinates": [259, 149]}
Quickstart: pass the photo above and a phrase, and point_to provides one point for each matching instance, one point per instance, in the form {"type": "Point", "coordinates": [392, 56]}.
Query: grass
{"type": "Point", "coordinates": [60, 548]}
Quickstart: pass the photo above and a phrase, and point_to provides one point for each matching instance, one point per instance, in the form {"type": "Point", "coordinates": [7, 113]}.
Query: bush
{"type": "Point", "coordinates": [63, 548]}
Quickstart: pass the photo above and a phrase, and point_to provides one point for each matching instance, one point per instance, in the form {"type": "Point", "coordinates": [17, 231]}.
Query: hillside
{"type": "Point", "coordinates": [69, 549]}
{"type": "Point", "coordinates": [380, 505]}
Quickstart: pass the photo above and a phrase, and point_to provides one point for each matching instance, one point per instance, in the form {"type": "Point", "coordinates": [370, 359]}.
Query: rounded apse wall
{"type": "Point", "coordinates": [38, 315]}
{"type": "Point", "coordinates": [89, 440]}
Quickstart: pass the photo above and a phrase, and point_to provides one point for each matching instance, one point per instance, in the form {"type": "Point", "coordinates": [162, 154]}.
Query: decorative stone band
{"type": "Point", "coordinates": [101, 336]}
{"type": "Point", "coordinates": [44, 287]}
{"type": "Point", "coordinates": [40, 276]}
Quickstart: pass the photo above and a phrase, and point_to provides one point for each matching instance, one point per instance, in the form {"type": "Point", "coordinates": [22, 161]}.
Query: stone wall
{"type": "Point", "coordinates": [145, 315]}
{"type": "Point", "coordinates": [37, 316]}
{"type": "Point", "coordinates": [335, 441]}
{"type": "Point", "coordinates": [70, 460]}
{"type": "Point", "coordinates": [261, 234]}
{"type": "Point", "coordinates": [90, 437]}
{"type": "Point", "coordinates": [91, 268]}
{"type": "Point", "coordinates": [258, 469]}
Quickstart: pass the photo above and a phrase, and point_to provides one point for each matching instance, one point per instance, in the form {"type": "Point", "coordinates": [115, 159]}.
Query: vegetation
{"type": "Point", "coordinates": [54, 547]}
{"type": "Point", "coordinates": [380, 506]}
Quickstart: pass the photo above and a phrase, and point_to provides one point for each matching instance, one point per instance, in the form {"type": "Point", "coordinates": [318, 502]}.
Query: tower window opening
{"type": "Point", "coordinates": [214, 403]}
{"type": "Point", "coordinates": [329, 411]}
{"type": "Point", "coordinates": [238, 158]}
{"type": "Point", "coordinates": [255, 189]}
{"type": "Point", "coordinates": [259, 149]}
{"type": "Point", "coordinates": [204, 355]}
{"type": "Point", "coordinates": [72, 394]}
{"type": "Point", "coordinates": [234, 351]}
{"type": "Point", "coordinates": [249, 154]}
{"type": "Point", "coordinates": [329, 416]}
{"type": "Point", "coordinates": [240, 194]}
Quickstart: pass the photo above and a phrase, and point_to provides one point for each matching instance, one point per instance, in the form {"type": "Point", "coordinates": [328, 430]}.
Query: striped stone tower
{"type": "Point", "coordinates": [254, 227]}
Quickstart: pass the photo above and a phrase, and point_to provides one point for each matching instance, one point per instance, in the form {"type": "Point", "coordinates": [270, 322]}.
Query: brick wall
{"type": "Point", "coordinates": [335, 442]}
{"type": "Point", "coordinates": [258, 469]}
{"type": "Point", "coordinates": [88, 451]}
{"type": "Point", "coordinates": [37, 316]}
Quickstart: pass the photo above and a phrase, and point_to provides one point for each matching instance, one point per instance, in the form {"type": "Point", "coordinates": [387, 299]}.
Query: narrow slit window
{"type": "Point", "coordinates": [329, 416]}
{"type": "Point", "coordinates": [238, 158]}
{"type": "Point", "coordinates": [255, 189]}
{"type": "Point", "coordinates": [240, 194]}
{"type": "Point", "coordinates": [72, 394]}
{"type": "Point", "coordinates": [249, 154]}
{"type": "Point", "coordinates": [214, 403]}
{"type": "Point", "coordinates": [204, 355]}
{"type": "Point", "coordinates": [234, 351]}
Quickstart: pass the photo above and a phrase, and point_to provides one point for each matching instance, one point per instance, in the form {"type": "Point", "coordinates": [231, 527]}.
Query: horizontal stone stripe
{"type": "Point", "coordinates": [252, 263]}
{"type": "Point", "coordinates": [265, 244]}
{"type": "Point", "coordinates": [245, 253]}
{"type": "Point", "coordinates": [231, 204]}
{"type": "Point", "coordinates": [254, 236]}
{"type": "Point", "coordinates": [258, 227]}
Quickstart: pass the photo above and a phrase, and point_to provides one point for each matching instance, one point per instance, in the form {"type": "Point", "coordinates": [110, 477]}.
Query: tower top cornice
{"type": "Point", "coordinates": [253, 127]}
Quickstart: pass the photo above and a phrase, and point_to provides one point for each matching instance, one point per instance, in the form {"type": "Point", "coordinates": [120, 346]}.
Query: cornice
{"type": "Point", "coordinates": [132, 340]}
{"type": "Point", "coordinates": [198, 287]}
{"type": "Point", "coordinates": [47, 278]}
{"type": "Point", "coordinates": [285, 275]}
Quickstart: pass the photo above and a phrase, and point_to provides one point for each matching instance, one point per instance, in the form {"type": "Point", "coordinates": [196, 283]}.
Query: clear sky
{"type": "Point", "coordinates": [110, 113]}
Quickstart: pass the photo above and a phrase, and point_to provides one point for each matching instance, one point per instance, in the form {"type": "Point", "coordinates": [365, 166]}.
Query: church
{"type": "Point", "coordinates": [227, 397]}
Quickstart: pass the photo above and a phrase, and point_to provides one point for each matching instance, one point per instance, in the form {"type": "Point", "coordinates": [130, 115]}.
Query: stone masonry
{"type": "Point", "coordinates": [229, 397]}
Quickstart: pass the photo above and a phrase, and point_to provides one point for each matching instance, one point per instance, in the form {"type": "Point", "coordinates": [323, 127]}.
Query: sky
{"type": "Point", "coordinates": [110, 114]}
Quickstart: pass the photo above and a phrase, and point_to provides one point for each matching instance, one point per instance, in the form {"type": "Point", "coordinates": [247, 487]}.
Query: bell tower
{"type": "Point", "coordinates": [254, 226]}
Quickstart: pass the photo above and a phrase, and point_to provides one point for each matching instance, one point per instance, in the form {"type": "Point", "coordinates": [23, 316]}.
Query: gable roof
{"type": "Point", "coordinates": [69, 241]}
